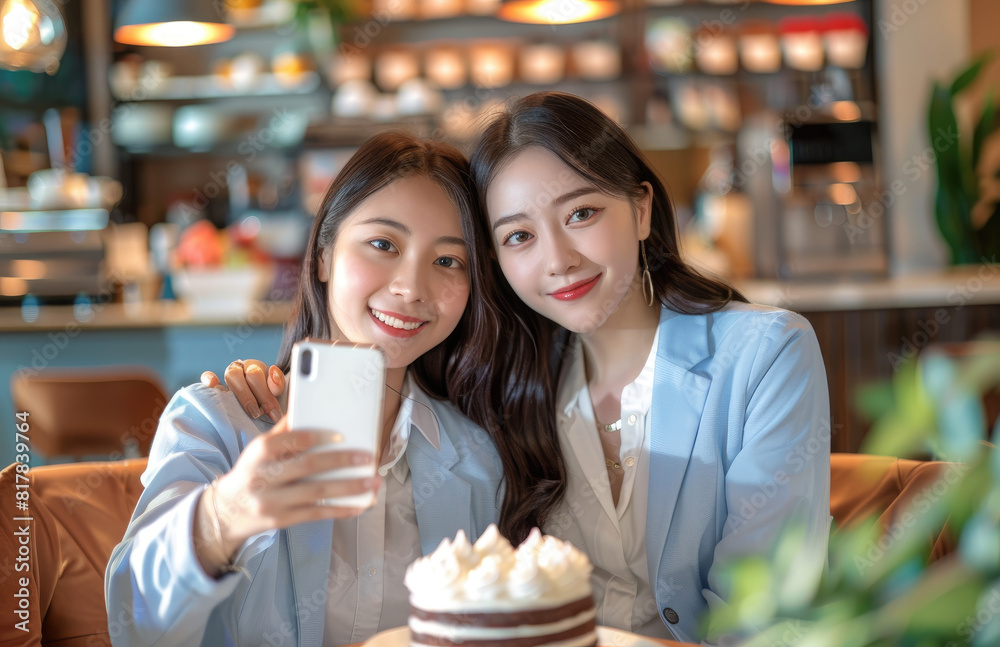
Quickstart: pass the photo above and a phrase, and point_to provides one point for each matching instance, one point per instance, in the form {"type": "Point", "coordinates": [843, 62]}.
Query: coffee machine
{"type": "Point", "coordinates": [818, 208]}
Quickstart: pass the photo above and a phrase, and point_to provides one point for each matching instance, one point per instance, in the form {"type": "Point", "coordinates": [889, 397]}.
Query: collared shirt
{"type": "Point", "coordinates": [614, 537]}
{"type": "Point", "coordinates": [372, 551]}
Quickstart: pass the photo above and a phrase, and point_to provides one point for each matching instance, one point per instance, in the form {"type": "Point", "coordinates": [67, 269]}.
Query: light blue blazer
{"type": "Point", "coordinates": [157, 593]}
{"type": "Point", "coordinates": [740, 445]}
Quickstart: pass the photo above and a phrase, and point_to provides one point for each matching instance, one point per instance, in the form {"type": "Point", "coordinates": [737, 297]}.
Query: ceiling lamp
{"type": "Point", "coordinates": [806, 2]}
{"type": "Point", "coordinates": [556, 12]}
{"type": "Point", "coordinates": [32, 35]}
{"type": "Point", "coordinates": [177, 23]}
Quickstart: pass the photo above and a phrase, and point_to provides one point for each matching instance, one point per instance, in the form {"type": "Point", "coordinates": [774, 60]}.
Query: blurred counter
{"type": "Point", "coordinates": [153, 314]}
{"type": "Point", "coordinates": [951, 288]}
{"type": "Point", "coordinates": [866, 330]}
{"type": "Point", "coordinates": [954, 287]}
{"type": "Point", "coordinates": [161, 336]}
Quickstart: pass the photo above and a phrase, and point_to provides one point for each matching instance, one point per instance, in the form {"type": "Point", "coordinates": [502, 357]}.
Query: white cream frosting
{"type": "Point", "coordinates": [543, 572]}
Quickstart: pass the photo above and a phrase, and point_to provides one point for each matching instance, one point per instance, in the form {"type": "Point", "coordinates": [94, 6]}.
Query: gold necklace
{"type": "Point", "coordinates": [614, 426]}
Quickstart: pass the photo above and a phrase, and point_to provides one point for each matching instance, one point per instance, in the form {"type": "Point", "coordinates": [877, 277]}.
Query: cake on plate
{"type": "Point", "coordinates": [489, 595]}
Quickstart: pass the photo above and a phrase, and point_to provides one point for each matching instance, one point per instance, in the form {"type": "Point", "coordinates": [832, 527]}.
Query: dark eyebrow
{"type": "Point", "coordinates": [395, 224]}
{"type": "Point", "coordinates": [388, 222]}
{"type": "Point", "coordinates": [452, 240]}
{"type": "Point", "coordinates": [566, 197]}
{"type": "Point", "coordinates": [508, 219]}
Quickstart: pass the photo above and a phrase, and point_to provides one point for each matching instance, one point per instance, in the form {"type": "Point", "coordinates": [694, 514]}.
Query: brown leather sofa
{"type": "Point", "coordinates": [864, 486]}
{"type": "Point", "coordinates": [80, 512]}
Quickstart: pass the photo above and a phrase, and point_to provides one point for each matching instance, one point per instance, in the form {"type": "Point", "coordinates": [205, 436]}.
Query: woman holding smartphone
{"type": "Point", "coordinates": [685, 426]}
{"type": "Point", "coordinates": [227, 544]}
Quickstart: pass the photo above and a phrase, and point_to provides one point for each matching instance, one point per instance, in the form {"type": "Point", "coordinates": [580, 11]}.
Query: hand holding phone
{"type": "Point", "coordinates": [339, 388]}
{"type": "Point", "coordinates": [266, 490]}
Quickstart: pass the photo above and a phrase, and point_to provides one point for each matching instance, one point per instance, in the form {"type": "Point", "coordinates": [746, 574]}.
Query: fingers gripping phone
{"type": "Point", "coordinates": [339, 388]}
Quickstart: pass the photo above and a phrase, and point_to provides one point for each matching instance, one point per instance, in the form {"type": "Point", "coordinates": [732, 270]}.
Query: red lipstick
{"type": "Point", "coordinates": [575, 291]}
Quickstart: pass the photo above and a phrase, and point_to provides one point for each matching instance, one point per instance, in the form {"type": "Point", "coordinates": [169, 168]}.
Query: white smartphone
{"type": "Point", "coordinates": [339, 388]}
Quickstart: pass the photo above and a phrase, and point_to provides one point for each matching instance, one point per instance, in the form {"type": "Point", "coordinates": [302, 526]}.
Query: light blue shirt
{"type": "Point", "coordinates": [156, 590]}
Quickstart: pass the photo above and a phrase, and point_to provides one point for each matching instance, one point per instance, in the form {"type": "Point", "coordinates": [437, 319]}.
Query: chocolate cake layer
{"type": "Point", "coordinates": [514, 641]}
{"type": "Point", "coordinates": [506, 619]}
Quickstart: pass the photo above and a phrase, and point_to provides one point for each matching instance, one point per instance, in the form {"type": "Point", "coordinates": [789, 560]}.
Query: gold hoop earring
{"type": "Point", "coordinates": [647, 281]}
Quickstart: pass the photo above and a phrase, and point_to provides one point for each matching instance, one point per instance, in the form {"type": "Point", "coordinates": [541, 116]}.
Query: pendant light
{"type": "Point", "coordinates": [32, 35]}
{"type": "Point", "coordinates": [806, 3]}
{"type": "Point", "coordinates": [556, 12]}
{"type": "Point", "coordinates": [173, 23]}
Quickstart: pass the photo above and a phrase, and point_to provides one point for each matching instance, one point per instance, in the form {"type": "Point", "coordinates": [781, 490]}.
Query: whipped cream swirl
{"type": "Point", "coordinates": [543, 572]}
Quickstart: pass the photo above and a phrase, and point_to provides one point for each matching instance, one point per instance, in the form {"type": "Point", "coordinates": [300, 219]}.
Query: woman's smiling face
{"type": "Point", "coordinates": [568, 250]}
{"type": "Point", "coordinates": [397, 274]}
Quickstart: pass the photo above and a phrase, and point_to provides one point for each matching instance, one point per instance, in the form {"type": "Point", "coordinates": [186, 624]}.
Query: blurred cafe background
{"type": "Point", "coordinates": [160, 164]}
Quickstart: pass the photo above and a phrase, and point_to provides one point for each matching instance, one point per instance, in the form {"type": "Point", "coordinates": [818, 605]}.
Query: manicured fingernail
{"type": "Point", "coordinates": [336, 438]}
{"type": "Point", "coordinates": [360, 460]}
{"type": "Point", "coordinates": [254, 412]}
{"type": "Point", "coordinates": [275, 414]}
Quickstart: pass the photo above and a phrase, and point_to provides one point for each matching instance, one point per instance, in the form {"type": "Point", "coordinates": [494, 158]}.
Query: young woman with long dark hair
{"type": "Point", "coordinates": [228, 544]}
{"type": "Point", "coordinates": [693, 426]}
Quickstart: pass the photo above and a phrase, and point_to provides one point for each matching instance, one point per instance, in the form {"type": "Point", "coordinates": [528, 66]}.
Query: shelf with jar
{"type": "Point", "coordinates": [675, 73]}
{"type": "Point", "coordinates": [711, 74]}
{"type": "Point", "coordinates": [216, 86]}
{"type": "Point", "coordinates": [451, 63]}
{"type": "Point", "coordinates": [242, 98]}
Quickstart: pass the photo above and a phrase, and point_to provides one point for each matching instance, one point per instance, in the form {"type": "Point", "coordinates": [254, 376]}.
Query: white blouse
{"type": "Point", "coordinates": [614, 537]}
{"type": "Point", "coordinates": [375, 548]}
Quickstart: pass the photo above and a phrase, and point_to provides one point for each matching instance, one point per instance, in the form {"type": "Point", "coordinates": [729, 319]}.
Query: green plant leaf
{"type": "Point", "coordinates": [874, 400]}
{"type": "Point", "coordinates": [945, 206]}
{"type": "Point", "coordinates": [908, 428]}
{"type": "Point", "coordinates": [960, 417]}
{"type": "Point", "coordinates": [964, 500]}
{"type": "Point", "coordinates": [984, 128]}
{"type": "Point", "coordinates": [980, 544]}
{"type": "Point", "coordinates": [953, 204]}
{"type": "Point", "coordinates": [988, 633]}
{"type": "Point", "coordinates": [941, 121]}
{"type": "Point", "coordinates": [989, 235]}
{"type": "Point", "coordinates": [936, 606]}
{"type": "Point", "coordinates": [969, 74]}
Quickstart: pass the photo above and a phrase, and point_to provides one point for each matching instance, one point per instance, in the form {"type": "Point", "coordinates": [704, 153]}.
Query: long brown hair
{"type": "Point", "coordinates": [528, 360]}
{"type": "Point", "coordinates": [381, 160]}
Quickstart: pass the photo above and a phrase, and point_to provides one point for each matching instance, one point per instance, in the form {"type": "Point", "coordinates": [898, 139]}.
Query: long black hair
{"type": "Point", "coordinates": [455, 363]}
{"type": "Point", "coordinates": [527, 362]}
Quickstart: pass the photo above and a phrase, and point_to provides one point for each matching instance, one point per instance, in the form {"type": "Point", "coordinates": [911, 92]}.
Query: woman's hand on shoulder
{"type": "Point", "coordinates": [255, 385]}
